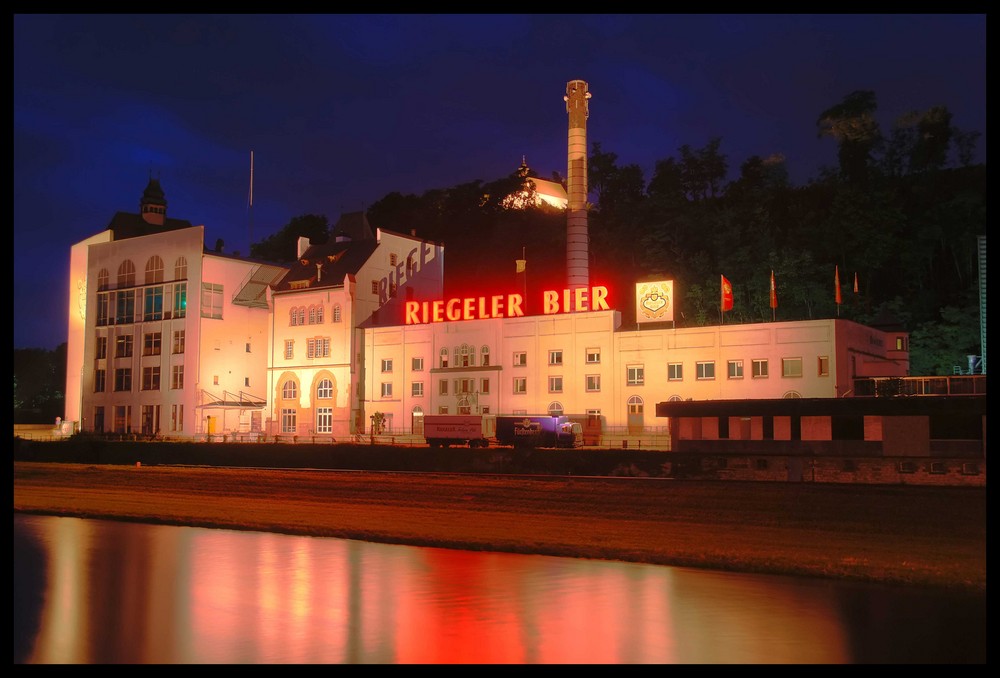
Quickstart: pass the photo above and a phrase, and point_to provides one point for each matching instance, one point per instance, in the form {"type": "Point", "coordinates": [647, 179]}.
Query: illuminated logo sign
{"type": "Point", "coordinates": [654, 301]}
{"type": "Point", "coordinates": [505, 305]}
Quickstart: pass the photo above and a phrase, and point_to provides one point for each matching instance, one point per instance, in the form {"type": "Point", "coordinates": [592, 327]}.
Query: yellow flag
{"type": "Point", "coordinates": [520, 265]}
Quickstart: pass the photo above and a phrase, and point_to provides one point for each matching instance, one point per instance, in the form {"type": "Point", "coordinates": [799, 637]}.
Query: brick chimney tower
{"type": "Point", "coordinates": [577, 240]}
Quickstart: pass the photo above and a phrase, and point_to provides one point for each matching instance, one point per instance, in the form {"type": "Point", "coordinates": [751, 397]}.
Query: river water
{"type": "Point", "coordinates": [110, 592]}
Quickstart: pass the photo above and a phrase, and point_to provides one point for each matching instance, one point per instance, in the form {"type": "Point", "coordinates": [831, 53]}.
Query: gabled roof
{"type": "Point", "coordinates": [353, 225]}
{"type": "Point", "coordinates": [336, 260]}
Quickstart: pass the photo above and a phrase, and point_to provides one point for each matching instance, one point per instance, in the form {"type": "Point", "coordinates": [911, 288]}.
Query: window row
{"type": "Point", "coordinates": [123, 307]}
{"type": "Point", "coordinates": [150, 379]}
{"type": "Point", "coordinates": [311, 315]}
{"type": "Point", "coordinates": [154, 273]}
{"type": "Point", "coordinates": [151, 345]}
{"type": "Point", "coordinates": [316, 347]}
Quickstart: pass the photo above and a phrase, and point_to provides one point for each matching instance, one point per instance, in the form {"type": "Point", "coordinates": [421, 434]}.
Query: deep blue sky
{"type": "Point", "coordinates": [341, 110]}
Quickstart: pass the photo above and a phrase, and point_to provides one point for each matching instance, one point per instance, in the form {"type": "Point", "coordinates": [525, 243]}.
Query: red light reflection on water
{"type": "Point", "coordinates": [128, 593]}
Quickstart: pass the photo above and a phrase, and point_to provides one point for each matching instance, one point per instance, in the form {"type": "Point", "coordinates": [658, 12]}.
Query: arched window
{"type": "Point", "coordinates": [312, 315]}
{"type": "Point", "coordinates": [293, 317]}
{"type": "Point", "coordinates": [336, 313]}
{"type": "Point", "coordinates": [289, 391]}
{"type": "Point", "coordinates": [325, 389]}
{"type": "Point", "coordinates": [444, 357]}
{"type": "Point", "coordinates": [555, 408]}
{"type": "Point", "coordinates": [302, 315]}
{"type": "Point", "coordinates": [463, 406]}
{"type": "Point", "coordinates": [126, 274]}
{"type": "Point", "coordinates": [635, 405]}
{"type": "Point", "coordinates": [319, 314]}
{"type": "Point", "coordinates": [154, 270]}
{"type": "Point", "coordinates": [792, 394]}
{"type": "Point", "coordinates": [180, 268]}
{"type": "Point", "coordinates": [102, 279]}
{"type": "Point", "coordinates": [484, 352]}
{"type": "Point", "coordinates": [674, 399]}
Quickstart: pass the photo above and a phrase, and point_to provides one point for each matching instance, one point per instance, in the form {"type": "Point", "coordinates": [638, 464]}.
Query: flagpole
{"type": "Point", "coordinates": [722, 301]}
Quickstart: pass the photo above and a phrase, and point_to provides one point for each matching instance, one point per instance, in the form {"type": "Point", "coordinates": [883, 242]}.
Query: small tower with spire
{"type": "Point", "coordinates": [153, 205]}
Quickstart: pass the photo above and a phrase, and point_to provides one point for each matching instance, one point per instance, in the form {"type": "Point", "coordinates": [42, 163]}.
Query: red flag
{"type": "Point", "coordinates": [855, 282]}
{"type": "Point", "coordinates": [774, 293]}
{"type": "Point", "coordinates": [727, 294]}
{"type": "Point", "coordinates": [836, 282]}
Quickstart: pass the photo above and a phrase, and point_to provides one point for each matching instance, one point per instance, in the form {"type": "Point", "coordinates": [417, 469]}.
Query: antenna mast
{"type": "Point", "coordinates": [250, 206]}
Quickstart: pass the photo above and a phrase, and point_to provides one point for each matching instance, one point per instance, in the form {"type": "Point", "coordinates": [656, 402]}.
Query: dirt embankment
{"type": "Point", "coordinates": [913, 535]}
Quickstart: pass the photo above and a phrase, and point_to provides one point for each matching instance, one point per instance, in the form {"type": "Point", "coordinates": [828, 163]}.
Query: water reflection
{"type": "Point", "coordinates": [112, 592]}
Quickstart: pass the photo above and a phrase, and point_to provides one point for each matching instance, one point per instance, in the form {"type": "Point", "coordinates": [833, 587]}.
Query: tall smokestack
{"type": "Point", "coordinates": [577, 240]}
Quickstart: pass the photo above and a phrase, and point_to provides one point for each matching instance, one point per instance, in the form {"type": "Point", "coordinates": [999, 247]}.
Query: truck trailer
{"type": "Point", "coordinates": [444, 430]}
{"type": "Point", "coordinates": [538, 431]}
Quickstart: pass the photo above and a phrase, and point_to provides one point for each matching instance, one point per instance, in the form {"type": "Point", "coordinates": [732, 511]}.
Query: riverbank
{"type": "Point", "coordinates": [898, 535]}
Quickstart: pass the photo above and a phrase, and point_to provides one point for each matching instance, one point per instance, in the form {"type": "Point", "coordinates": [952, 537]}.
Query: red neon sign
{"type": "Point", "coordinates": [505, 305]}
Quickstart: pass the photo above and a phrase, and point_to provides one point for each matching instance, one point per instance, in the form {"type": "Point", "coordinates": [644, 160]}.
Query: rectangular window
{"type": "Point", "coordinates": [323, 347]}
{"type": "Point", "coordinates": [103, 306]}
{"type": "Point", "coordinates": [248, 347]}
{"type": "Point", "coordinates": [125, 307]}
{"type": "Point", "coordinates": [443, 387]}
{"type": "Point", "coordinates": [180, 300]}
{"type": "Point", "coordinates": [324, 420]}
{"type": "Point", "coordinates": [310, 349]}
{"type": "Point", "coordinates": [246, 381]}
{"type": "Point", "coordinates": [176, 417]}
{"type": "Point", "coordinates": [178, 341]}
{"type": "Point", "coordinates": [823, 366]}
{"type": "Point", "coordinates": [289, 344]}
{"type": "Point", "coordinates": [288, 420]}
{"type": "Point", "coordinates": [465, 385]}
{"type": "Point", "coordinates": [759, 367]}
{"type": "Point", "coordinates": [706, 370]}
{"type": "Point", "coordinates": [593, 356]}
{"type": "Point", "coordinates": [100, 379]}
{"type": "Point", "coordinates": [177, 377]}
{"type": "Point", "coordinates": [970, 469]}
{"type": "Point", "coordinates": [123, 379]}
{"type": "Point", "coordinates": [937, 467]}
{"type": "Point", "coordinates": [374, 286]}
{"type": "Point", "coordinates": [417, 365]}
{"type": "Point", "coordinates": [907, 467]}
{"type": "Point", "coordinates": [211, 300]}
{"type": "Point", "coordinates": [593, 383]}
{"type": "Point", "coordinates": [101, 348]}
{"type": "Point", "coordinates": [152, 307]}
{"type": "Point", "coordinates": [123, 346]}
{"type": "Point", "coordinates": [520, 359]}
{"type": "Point", "coordinates": [675, 371]}
{"type": "Point", "coordinates": [900, 344]}
{"type": "Point", "coordinates": [555, 384]}
{"type": "Point", "coordinates": [387, 365]}
{"type": "Point", "coordinates": [734, 369]}
{"type": "Point", "coordinates": [520, 385]}
{"type": "Point", "coordinates": [443, 409]}
{"type": "Point", "coordinates": [555, 357]}
{"type": "Point", "coordinates": [151, 378]}
{"type": "Point", "coordinates": [417, 389]}
{"type": "Point", "coordinates": [791, 367]}
{"type": "Point", "coordinates": [151, 343]}
{"type": "Point", "coordinates": [635, 375]}
{"type": "Point", "coordinates": [484, 387]}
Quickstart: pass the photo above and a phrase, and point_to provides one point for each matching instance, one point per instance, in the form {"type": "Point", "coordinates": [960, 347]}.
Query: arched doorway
{"type": "Point", "coordinates": [635, 415]}
{"type": "Point", "coordinates": [417, 421]}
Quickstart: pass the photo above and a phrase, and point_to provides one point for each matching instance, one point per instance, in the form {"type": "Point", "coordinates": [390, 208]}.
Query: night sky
{"type": "Point", "coordinates": [341, 110]}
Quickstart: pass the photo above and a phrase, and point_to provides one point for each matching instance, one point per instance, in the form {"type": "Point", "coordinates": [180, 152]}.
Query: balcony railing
{"type": "Point", "coordinates": [889, 387]}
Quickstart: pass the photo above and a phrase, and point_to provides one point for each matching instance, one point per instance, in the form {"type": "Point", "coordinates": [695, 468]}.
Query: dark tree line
{"type": "Point", "coordinates": [901, 211]}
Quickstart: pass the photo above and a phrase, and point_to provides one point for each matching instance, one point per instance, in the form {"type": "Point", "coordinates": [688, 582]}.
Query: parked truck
{"type": "Point", "coordinates": [444, 430]}
{"type": "Point", "coordinates": [538, 431]}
